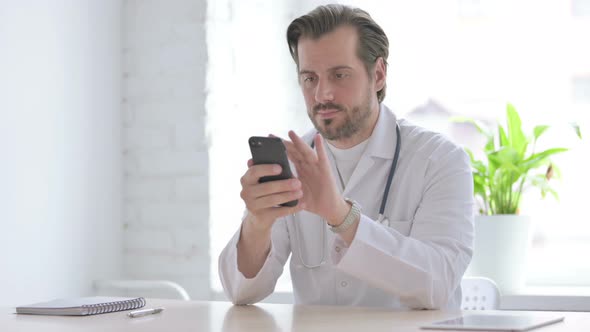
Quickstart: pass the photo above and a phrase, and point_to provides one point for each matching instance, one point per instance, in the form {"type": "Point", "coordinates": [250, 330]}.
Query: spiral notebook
{"type": "Point", "coordinates": [82, 306]}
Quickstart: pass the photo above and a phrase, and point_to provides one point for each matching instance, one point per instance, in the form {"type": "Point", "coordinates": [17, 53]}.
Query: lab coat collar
{"type": "Point", "coordinates": [383, 139]}
{"type": "Point", "coordinates": [381, 145]}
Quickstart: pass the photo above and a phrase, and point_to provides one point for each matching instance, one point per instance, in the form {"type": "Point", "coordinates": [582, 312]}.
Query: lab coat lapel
{"type": "Point", "coordinates": [381, 145]}
{"type": "Point", "coordinates": [361, 170]}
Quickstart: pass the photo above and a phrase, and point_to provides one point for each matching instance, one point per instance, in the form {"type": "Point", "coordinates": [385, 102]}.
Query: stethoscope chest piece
{"type": "Point", "coordinates": [383, 221]}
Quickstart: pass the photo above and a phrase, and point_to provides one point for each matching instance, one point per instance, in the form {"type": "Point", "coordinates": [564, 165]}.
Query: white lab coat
{"type": "Point", "coordinates": [416, 262]}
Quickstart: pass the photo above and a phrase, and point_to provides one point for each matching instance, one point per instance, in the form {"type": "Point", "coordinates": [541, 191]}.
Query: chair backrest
{"type": "Point", "coordinates": [162, 289]}
{"type": "Point", "coordinates": [479, 293]}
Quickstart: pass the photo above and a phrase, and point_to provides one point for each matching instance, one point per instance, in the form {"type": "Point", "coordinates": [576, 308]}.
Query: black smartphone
{"type": "Point", "coordinates": [271, 150]}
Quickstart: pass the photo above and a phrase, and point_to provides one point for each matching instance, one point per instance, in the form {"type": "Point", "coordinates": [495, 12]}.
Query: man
{"type": "Point", "coordinates": [345, 252]}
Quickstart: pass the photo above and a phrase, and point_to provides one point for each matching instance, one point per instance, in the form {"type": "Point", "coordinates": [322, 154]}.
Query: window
{"type": "Point", "coordinates": [253, 88]}
{"type": "Point", "coordinates": [581, 8]}
{"type": "Point", "coordinates": [463, 60]}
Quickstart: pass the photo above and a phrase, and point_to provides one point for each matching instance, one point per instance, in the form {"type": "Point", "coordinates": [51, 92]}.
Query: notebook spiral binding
{"type": "Point", "coordinates": [104, 308]}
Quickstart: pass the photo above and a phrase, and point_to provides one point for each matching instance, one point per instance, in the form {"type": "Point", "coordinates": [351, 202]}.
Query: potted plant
{"type": "Point", "coordinates": [511, 164]}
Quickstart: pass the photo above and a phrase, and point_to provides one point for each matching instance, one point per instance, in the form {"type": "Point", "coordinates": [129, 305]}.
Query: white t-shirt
{"type": "Point", "coordinates": [347, 159]}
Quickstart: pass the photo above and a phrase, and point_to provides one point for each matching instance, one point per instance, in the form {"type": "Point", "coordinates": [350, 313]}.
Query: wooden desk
{"type": "Point", "coordinates": [223, 316]}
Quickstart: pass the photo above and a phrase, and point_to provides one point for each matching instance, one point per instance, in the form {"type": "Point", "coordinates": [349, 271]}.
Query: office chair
{"type": "Point", "coordinates": [160, 289]}
{"type": "Point", "coordinates": [479, 293]}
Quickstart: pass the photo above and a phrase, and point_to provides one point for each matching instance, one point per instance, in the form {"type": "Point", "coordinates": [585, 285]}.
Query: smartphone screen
{"type": "Point", "coordinates": [271, 150]}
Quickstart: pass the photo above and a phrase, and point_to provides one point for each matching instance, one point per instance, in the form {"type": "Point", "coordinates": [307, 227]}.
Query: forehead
{"type": "Point", "coordinates": [336, 48]}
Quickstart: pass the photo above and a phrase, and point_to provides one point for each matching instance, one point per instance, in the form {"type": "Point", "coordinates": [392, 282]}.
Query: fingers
{"type": "Point", "coordinates": [319, 144]}
{"type": "Point", "coordinates": [273, 187]}
{"type": "Point", "coordinates": [292, 152]}
{"type": "Point", "coordinates": [270, 194]}
{"type": "Point", "coordinates": [260, 196]}
{"type": "Point", "coordinates": [267, 207]}
{"type": "Point", "coordinates": [306, 152]}
{"type": "Point", "coordinates": [255, 172]}
{"type": "Point", "coordinates": [276, 199]}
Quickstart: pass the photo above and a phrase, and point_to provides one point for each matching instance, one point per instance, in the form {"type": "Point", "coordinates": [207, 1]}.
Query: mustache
{"type": "Point", "coordinates": [320, 107]}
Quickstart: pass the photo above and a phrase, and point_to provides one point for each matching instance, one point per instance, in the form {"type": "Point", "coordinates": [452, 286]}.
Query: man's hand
{"type": "Point", "coordinates": [320, 193]}
{"type": "Point", "coordinates": [263, 199]}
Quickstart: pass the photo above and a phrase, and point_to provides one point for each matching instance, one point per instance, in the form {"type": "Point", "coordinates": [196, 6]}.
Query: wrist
{"type": "Point", "coordinates": [341, 211]}
{"type": "Point", "coordinates": [351, 218]}
{"type": "Point", "coordinates": [253, 224]}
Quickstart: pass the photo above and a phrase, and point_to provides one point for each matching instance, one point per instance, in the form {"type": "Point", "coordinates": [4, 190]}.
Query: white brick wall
{"type": "Point", "coordinates": [166, 206]}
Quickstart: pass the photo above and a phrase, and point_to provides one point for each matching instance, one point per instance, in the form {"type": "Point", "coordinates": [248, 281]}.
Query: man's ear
{"type": "Point", "coordinates": [380, 74]}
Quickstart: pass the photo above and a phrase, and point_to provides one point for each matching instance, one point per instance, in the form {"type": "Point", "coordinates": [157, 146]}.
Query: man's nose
{"type": "Point", "coordinates": [324, 91]}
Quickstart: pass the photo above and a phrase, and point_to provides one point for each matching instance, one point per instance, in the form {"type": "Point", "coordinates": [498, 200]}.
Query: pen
{"type": "Point", "coordinates": [145, 312]}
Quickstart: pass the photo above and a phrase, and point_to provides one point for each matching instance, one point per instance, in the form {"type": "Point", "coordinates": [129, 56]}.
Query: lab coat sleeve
{"type": "Point", "coordinates": [425, 268]}
{"type": "Point", "coordinates": [241, 290]}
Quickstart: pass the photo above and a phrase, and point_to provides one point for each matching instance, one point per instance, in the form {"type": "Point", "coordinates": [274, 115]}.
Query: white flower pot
{"type": "Point", "coordinates": [501, 249]}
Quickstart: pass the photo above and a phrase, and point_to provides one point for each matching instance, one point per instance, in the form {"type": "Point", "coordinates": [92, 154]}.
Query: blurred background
{"type": "Point", "coordinates": [123, 124]}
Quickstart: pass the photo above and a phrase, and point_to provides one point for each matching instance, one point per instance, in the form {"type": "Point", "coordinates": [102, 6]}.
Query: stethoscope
{"type": "Point", "coordinates": [381, 218]}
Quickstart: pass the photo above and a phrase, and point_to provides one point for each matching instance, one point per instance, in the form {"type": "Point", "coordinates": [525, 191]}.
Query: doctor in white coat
{"type": "Point", "coordinates": [354, 239]}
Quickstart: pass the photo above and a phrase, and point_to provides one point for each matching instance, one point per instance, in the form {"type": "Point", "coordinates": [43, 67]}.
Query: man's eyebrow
{"type": "Point", "coordinates": [340, 67]}
{"type": "Point", "coordinates": [305, 71]}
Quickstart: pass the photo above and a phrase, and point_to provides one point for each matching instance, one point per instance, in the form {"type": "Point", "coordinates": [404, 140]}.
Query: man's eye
{"type": "Point", "coordinates": [341, 75]}
{"type": "Point", "coordinates": [308, 79]}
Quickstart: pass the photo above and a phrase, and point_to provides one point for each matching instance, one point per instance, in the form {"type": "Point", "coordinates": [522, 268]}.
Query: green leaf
{"type": "Point", "coordinates": [477, 165]}
{"type": "Point", "coordinates": [507, 174]}
{"type": "Point", "coordinates": [553, 193]}
{"type": "Point", "coordinates": [469, 153]}
{"type": "Point", "coordinates": [490, 146]}
{"type": "Point", "coordinates": [539, 130]}
{"type": "Point", "coordinates": [577, 129]}
{"type": "Point", "coordinates": [540, 158]}
{"type": "Point", "coordinates": [476, 123]}
{"type": "Point", "coordinates": [503, 137]}
{"type": "Point", "coordinates": [516, 136]}
{"type": "Point", "coordinates": [480, 167]}
{"type": "Point", "coordinates": [479, 188]}
{"type": "Point", "coordinates": [505, 156]}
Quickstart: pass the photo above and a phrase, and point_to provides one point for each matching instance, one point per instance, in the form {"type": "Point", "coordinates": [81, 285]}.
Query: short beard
{"type": "Point", "coordinates": [354, 121]}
